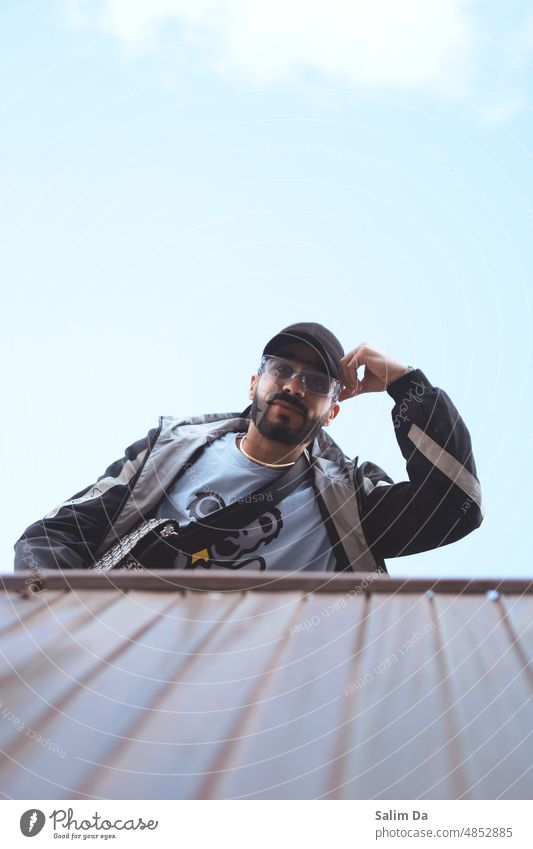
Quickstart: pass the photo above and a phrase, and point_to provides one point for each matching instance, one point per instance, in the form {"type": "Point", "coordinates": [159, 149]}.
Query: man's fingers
{"type": "Point", "coordinates": [353, 360]}
{"type": "Point", "coordinates": [352, 391]}
{"type": "Point", "coordinates": [347, 393]}
{"type": "Point", "coordinates": [379, 370]}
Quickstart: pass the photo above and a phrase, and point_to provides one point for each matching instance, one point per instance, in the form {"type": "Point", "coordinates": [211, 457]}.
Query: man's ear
{"type": "Point", "coordinates": [331, 414]}
{"type": "Point", "coordinates": [254, 380]}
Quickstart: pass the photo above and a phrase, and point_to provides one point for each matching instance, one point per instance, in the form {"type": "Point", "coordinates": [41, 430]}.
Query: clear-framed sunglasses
{"type": "Point", "coordinates": [313, 381]}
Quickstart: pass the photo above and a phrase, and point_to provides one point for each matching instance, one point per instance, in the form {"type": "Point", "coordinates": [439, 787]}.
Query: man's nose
{"type": "Point", "coordinates": [294, 386]}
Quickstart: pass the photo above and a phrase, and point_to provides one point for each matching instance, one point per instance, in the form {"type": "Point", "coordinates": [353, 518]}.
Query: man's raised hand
{"type": "Point", "coordinates": [379, 371]}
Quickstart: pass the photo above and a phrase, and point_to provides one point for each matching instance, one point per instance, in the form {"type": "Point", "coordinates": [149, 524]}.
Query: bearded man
{"type": "Point", "coordinates": [340, 515]}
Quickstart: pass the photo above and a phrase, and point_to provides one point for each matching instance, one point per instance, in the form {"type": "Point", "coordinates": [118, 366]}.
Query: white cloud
{"type": "Point", "coordinates": [368, 44]}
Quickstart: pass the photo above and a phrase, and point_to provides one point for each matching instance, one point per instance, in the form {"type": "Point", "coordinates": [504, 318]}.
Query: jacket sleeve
{"type": "Point", "coordinates": [69, 536]}
{"type": "Point", "coordinates": [441, 501]}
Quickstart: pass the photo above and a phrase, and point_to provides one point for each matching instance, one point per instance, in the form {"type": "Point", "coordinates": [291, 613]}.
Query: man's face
{"type": "Point", "coordinates": [284, 411]}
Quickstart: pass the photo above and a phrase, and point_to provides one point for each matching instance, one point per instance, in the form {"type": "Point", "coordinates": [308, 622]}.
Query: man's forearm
{"type": "Point", "coordinates": [441, 502]}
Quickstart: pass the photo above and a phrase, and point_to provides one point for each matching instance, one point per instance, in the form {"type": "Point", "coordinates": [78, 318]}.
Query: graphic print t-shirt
{"type": "Point", "coordinates": [289, 536]}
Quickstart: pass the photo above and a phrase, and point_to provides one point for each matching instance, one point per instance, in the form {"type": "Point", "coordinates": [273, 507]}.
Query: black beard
{"type": "Point", "coordinates": [282, 431]}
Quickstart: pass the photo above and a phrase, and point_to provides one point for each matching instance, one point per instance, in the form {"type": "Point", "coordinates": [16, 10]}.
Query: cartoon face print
{"type": "Point", "coordinates": [263, 531]}
{"type": "Point", "coordinates": [231, 552]}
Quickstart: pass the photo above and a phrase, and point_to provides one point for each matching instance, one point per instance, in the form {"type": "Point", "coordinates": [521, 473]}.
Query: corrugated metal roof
{"type": "Point", "coordinates": [236, 685]}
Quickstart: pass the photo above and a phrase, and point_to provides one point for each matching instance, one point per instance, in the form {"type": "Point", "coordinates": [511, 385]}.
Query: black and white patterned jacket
{"type": "Point", "coordinates": [368, 517]}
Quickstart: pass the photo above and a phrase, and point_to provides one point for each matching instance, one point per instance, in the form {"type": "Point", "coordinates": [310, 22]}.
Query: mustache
{"type": "Point", "coordinates": [292, 402]}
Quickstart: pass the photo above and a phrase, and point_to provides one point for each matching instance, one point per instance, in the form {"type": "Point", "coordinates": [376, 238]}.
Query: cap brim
{"type": "Point", "coordinates": [301, 336]}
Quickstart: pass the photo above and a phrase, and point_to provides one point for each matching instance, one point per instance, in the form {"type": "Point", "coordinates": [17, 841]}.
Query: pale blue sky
{"type": "Point", "coordinates": [181, 179]}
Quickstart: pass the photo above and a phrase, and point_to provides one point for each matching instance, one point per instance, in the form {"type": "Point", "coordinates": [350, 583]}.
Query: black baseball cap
{"type": "Point", "coordinates": [315, 335]}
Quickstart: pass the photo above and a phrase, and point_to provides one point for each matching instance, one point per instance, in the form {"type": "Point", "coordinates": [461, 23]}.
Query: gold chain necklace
{"type": "Point", "coordinates": [261, 463]}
